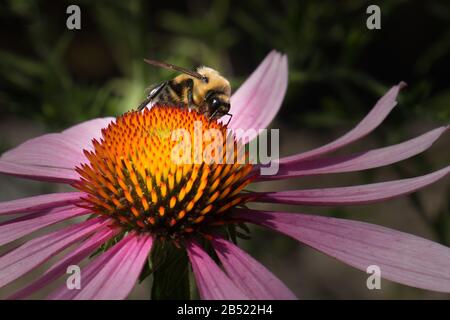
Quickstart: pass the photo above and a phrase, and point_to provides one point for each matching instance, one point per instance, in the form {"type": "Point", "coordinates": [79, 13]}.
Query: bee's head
{"type": "Point", "coordinates": [218, 104]}
{"type": "Point", "coordinates": [216, 93]}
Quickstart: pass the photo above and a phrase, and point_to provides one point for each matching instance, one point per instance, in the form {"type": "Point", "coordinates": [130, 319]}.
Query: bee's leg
{"type": "Point", "coordinates": [144, 103]}
{"type": "Point", "coordinates": [190, 92]}
{"type": "Point", "coordinates": [226, 114]}
{"type": "Point", "coordinates": [212, 115]}
{"type": "Point", "coordinates": [153, 94]}
{"type": "Point", "coordinates": [229, 120]}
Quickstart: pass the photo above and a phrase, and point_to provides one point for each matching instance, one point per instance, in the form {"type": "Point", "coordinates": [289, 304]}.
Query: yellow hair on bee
{"type": "Point", "coordinates": [215, 83]}
{"type": "Point", "coordinates": [204, 91]}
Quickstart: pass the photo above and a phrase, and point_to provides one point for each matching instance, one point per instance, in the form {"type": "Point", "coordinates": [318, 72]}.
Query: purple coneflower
{"type": "Point", "coordinates": [133, 193]}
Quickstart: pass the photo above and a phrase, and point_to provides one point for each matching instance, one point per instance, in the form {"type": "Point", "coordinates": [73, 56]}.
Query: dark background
{"type": "Point", "coordinates": [52, 78]}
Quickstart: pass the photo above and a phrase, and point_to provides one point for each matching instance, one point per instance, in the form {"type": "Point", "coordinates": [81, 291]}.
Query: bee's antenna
{"type": "Point", "coordinates": [176, 68]}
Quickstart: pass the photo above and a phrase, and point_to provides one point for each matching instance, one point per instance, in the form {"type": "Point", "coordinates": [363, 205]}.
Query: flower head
{"type": "Point", "coordinates": [134, 178]}
{"type": "Point", "coordinates": [136, 193]}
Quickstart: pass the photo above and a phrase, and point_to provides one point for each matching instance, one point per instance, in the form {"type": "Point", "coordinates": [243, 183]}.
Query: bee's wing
{"type": "Point", "coordinates": [174, 67]}
{"type": "Point", "coordinates": [153, 92]}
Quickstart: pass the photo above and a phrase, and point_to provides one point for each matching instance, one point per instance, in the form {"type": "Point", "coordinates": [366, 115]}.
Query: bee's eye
{"type": "Point", "coordinates": [215, 103]}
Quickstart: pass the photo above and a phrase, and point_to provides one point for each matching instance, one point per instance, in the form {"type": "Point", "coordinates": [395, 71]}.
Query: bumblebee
{"type": "Point", "coordinates": [204, 90]}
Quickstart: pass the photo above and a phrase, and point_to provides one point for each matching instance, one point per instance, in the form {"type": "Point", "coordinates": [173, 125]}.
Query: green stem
{"type": "Point", "coordinates": [171, 272]}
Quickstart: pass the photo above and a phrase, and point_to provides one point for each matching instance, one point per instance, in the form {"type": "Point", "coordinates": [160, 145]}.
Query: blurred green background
{"type": "Point", "coordinates": [52, 77]}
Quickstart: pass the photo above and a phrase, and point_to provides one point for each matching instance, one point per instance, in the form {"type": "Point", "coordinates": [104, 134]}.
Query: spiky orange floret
{"type": "Point", "coordinates": [132, 176]}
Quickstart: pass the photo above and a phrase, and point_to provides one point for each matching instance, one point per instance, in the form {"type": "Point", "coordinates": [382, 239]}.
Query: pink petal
{"type": "Point", "coordinates": [35, 252]}
{"type": "Point", "coordinates": [73, 258]}
{"type": "Point", "coordinates": [52, 157]}
{"type": "Point", "coordinates": [359, 161]}
{"type": "Point", "coordinates": [255, 104]}
{"type": "Point", "coordinates": [402, 257]}
{"type": "Point", "coordinates": [112, 275]}
{"type": "Point", "coordinates": [50, 150]}
{"type": "Point", "coordinates": [83, 133]}
{"type": "Point", "coordinates": [15, 229]}
{"type": "Point", "coordinates": [249, 275]}
{"type": "Point", "coordinates": [212, 282]}
{"type": "Point", "coordinates": [363, 194]}
{"type": "Point", "coordinates": [48, 174]}
{"type": "Point", "coordinates": [38, 203]}
{"type": "Point", "coordinates": [382, 108]}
